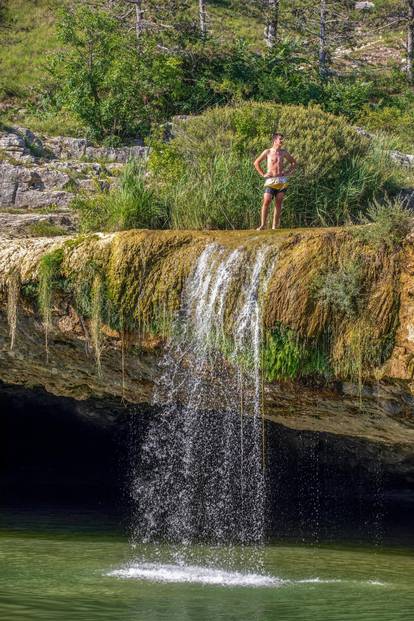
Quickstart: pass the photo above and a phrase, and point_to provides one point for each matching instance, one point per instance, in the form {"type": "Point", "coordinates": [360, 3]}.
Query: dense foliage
{"type": "Point", "coordinates": [118, 87]}
{"type": "Point", "coordinates": [203, 177]}
{"type": "Point", "coordinates": [205, 172]}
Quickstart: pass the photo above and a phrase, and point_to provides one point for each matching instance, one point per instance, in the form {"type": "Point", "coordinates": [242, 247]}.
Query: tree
{"type": "Point", "coordinates": [202, 12]}
{"type": "Point", "coordinates": [323, 52]}
{"type": "Point", "coordinates": [324, 25]}
{"type": "Point", "coordinates": [272, 8]}
{"type": "Point", "coordinates": [410, 41]}
{"type": "Point", "coordinates": [114, 91]}
{"type": "Point", "coordinates": [139, 17]}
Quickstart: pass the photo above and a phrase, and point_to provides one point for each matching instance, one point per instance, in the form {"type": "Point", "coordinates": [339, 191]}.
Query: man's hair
{"type": "Point", "coordinates": [277, 135]}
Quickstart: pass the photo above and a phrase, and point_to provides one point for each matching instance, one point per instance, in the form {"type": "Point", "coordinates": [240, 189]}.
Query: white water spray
{"type": "Point", "coordinates": [199, 476]}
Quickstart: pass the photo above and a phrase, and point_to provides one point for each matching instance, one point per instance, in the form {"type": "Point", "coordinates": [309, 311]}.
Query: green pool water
{"type": "Point", "coordinates": [71, 566]}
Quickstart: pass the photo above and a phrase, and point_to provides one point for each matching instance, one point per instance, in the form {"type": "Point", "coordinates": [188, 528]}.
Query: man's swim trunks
{"type": "Point", "coordinates": [274, 185]}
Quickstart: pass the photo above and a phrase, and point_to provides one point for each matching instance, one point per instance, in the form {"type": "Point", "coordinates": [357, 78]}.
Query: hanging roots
{"type": "Point", "coordinates": [96, 319]}
{"type": "Point", "coordinates": [13, 294]}
{"type": "Point", "coordinates": [49, 273]}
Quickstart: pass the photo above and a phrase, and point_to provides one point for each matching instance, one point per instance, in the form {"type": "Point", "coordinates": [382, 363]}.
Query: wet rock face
{"type": "Point", "coordinates": [380, 413]}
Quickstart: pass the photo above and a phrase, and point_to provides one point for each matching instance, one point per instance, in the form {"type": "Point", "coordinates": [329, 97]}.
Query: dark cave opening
{"type": "Point", "coordinates": [328, 487]}
{"type": "Point", "coordinates": [58, 452]}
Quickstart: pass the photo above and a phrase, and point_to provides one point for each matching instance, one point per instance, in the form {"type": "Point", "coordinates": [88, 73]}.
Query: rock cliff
{"type": "Point", "coordinates": [141, 275]}
{"type": "Point", "coordinates": [43, 174]}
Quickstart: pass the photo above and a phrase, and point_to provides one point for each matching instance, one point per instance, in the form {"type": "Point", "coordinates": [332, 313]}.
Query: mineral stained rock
{"type": "Point", "coordinates": [378, 409]}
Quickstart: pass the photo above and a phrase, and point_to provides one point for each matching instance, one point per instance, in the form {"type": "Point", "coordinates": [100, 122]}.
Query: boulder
{"type": "Point", "coordinates": [364, 6]}
{"type": "Point", "coordinates": [21, 225]}
{"type": "Point", "coordinates": [39, 199]}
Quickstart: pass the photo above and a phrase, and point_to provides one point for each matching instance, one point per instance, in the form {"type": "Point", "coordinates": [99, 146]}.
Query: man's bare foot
{"type": "Point", "coordinates": [260, 228]}
{"type": "Point", "coordinates": [275, 227]}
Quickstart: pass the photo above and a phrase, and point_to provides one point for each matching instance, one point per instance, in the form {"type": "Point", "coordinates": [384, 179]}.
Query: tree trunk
{"type": "Point", "coordinates": [323, 56]}
{"type": "Point", "coordinates": [410, 41]}
{"type": "Point", "coordinates": [139, 17]}
{"type": "Point", "coordinates": [272, 22]}
{"type": "Point", "coordinates": [203, 17]}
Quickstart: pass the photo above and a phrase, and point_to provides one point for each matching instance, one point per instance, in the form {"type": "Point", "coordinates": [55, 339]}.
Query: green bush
{"type": "Point", "coordinates": [397, 123]}
{"type": "Point", "coordinates": [387, 224]}
{"type": "Point", "coordinates": [132, 204]}
{"type": "Point", "coordinates": [340, 290]}
{"type": "Point", "coordinates": [346, 97]}
{"type": "Point", "coordinates": [209, 181]}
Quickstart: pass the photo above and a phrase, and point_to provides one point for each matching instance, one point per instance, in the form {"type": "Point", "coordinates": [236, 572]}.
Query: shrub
{"type": "Point", "coordinates": [397, 122]}
{"type": "Point", "coordinates": [387, 224]}
{"type": "Point", "coordinates": [345, 97]}
{"type": "Point", "coordinates": [133, 204]}
{"type": "Point", "coordinates": [340, 290]}
{"type": "Point", "coordinates": [338, 169]}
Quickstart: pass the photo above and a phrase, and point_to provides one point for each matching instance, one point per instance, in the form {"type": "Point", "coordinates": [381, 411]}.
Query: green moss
{"type": "Point", "coordinates": [29, 291]}
{"type": "Point", "coordinates": [132, 282]}
{"type": "Point", "coordinates": [286, 356]}
{"type": "Point", "coordinates": [97, 304]}
{"type": "Point", "coordinates": [49, 269]}
{"type": "Point", "coordinates": [45, 229]}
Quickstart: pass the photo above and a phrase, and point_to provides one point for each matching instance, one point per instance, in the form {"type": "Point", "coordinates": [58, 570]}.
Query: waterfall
{"type": "Point", "coordinates": [200, 473]}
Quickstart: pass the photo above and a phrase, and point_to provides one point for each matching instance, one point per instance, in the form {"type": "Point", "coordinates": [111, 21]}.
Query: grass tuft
{"type": "Point", "coordinates": [45, 229]}
{"type": "Point", "coordinates": [132, 204]}
{"type": "Point", "coordinates": [13, 295]}
{"type": "Point", "coordinates": [387, 224]}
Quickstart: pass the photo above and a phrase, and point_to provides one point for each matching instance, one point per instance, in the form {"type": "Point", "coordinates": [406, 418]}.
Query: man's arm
{"type": "Point", "coordinates": [293, 163]}
{"type": "Point", "coordinates": [258, 161]}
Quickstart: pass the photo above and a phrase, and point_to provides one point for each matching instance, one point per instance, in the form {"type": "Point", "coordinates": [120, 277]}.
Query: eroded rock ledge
{"type": "Point", "coordinates": [144, 268]}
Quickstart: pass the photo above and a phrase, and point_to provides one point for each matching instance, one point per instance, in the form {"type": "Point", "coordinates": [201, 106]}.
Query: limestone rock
{"type": "Point", "coordinates": [38, 199]}
{"type": "Point", "coordinates": [403, 159]}
{"type": "Point", "coordinates": [116, 155]}
{"type": "Point", "coordinates": [380, 412]}
{"type": "Point", "coordinates": [47, 172]}
{"type": "Point", "coordinates": [80, 148]}
{"type": "Point", "coordinates": [19, 225]}
{"type": "Point", "coordinates": [364, 6]}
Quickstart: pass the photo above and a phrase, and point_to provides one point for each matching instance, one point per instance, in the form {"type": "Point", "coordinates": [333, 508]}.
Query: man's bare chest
{"type": "Point", "coordinates": [275, 158]}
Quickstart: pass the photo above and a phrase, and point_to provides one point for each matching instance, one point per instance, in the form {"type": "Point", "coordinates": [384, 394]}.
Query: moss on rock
{"type": "Point", "coordinates": [130, 283]}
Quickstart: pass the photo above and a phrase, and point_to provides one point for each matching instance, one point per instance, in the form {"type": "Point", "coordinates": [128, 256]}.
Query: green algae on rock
{"type": "Point", "coordinates": [113, 299]}
{"type": "Point", "coordinates": [131, 282]}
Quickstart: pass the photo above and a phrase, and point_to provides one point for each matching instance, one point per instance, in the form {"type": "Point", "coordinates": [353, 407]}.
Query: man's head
{"type": "Point", "coordinates": [277, 138]}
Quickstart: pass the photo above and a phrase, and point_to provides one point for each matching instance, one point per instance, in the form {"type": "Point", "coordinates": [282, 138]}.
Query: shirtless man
{"type": "Point", "coordinates": [277, 177]}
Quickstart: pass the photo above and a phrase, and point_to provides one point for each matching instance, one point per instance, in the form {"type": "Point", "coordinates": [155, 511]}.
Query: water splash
{"type": "Point", "coordinates": [210, 576]}
{"type": "Point", "coordinates": [200, 472]}
{"type": "Point", "coordinates": [193, 574]}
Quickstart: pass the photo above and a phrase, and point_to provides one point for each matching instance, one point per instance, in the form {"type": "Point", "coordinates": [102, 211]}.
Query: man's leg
{"type": "Point", "coordinates": [267, 199]}
{"type": "Point", "coordinates": [277, 210]}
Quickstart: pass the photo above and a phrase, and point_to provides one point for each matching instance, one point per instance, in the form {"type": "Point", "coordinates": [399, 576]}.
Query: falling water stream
{"type": "Point", "coordinates": [198, 488]}
{"type": "Point", "coordinates": [199, 477]}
